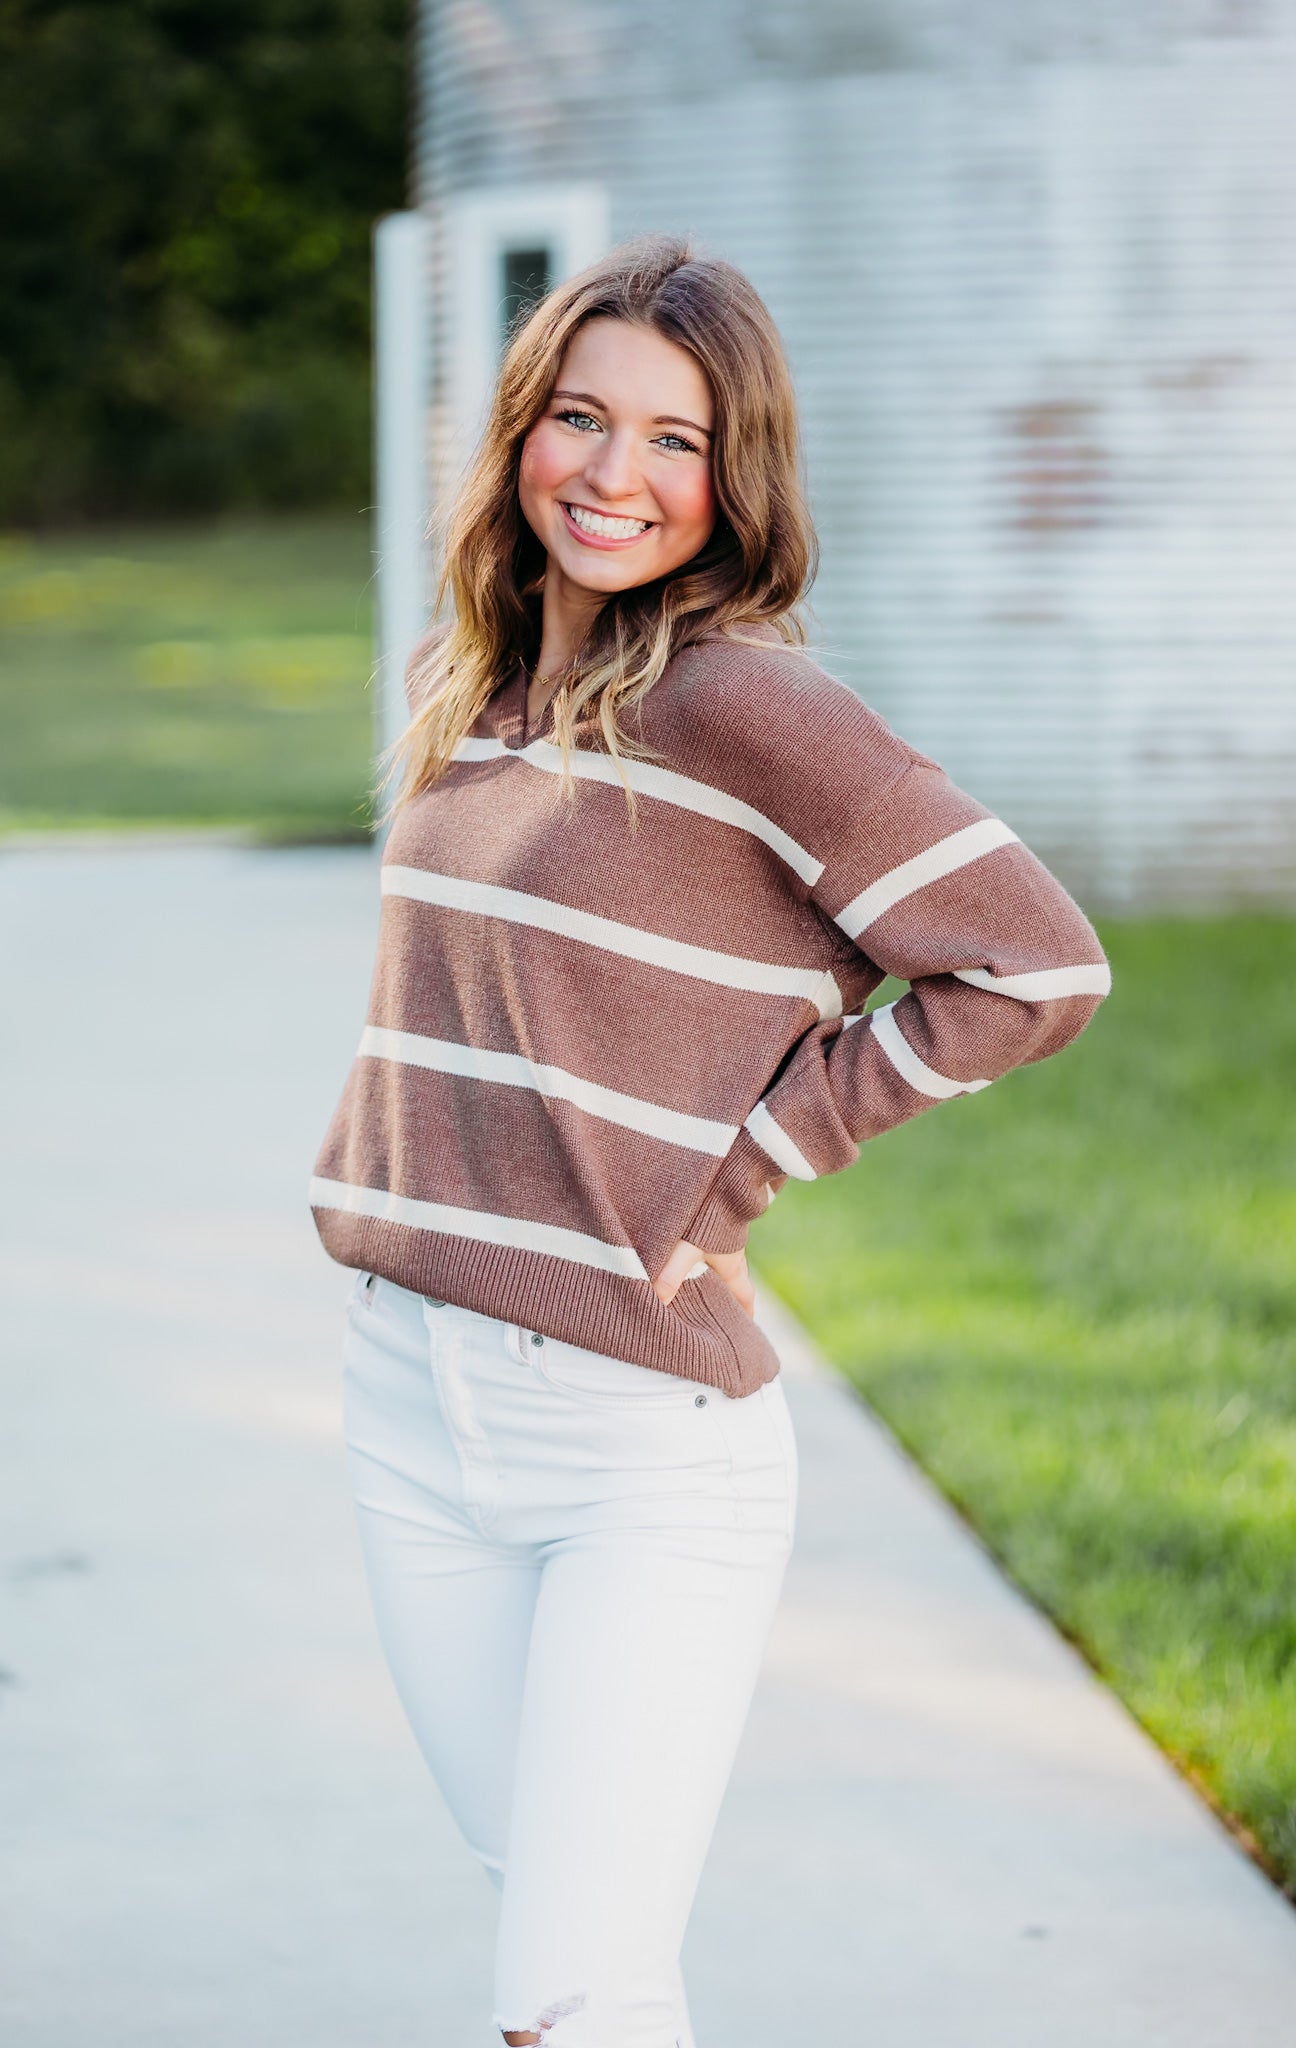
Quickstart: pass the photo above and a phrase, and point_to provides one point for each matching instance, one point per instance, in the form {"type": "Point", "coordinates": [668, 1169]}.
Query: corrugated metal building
{"type": "Point", "coordinates": [1033, 265]}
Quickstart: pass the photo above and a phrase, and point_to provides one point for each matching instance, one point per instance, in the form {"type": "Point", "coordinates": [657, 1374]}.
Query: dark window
{"type": "Point", "coordinates": [525, 278]}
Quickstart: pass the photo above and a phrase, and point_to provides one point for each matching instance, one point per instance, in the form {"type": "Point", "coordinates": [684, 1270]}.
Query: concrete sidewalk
{"type": "Point", "coordinates": [942, 1832]}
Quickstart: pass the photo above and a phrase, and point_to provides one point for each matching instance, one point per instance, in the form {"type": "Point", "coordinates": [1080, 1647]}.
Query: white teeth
{"type": "Point", "coordinates": [607, 529]}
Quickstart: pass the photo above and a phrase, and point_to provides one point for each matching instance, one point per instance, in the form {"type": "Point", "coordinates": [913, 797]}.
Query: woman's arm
{"type": "Point", "coordinates": [1003, 967]}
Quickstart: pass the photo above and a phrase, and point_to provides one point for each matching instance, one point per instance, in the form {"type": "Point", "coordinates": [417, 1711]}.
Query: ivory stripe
{"type": "Point", "coordinates": [516, 1232]}
{"type": "Point", "coordinates": [728, 970]}
{"type": "Point", "coordinates": [664, 783]}
{"type": "Point", "coordinates": [772, 1138]}
{"type": "Point", "coordinates": [1044, 985]}
{"type": "Point", "coordinates": [653, 1119]}
{"type": "Point", "coordinates": [948, 854]}
{"type": "Point", "coordinates": [907, 1063]}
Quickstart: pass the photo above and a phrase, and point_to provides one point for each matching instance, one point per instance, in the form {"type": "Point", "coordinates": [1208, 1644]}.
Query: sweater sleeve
{"type": "Point", "coordinates": [1003, 968]}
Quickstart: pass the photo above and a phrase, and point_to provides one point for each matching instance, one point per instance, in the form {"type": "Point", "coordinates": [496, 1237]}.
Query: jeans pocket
{"type": "Point", "coordinates": [763, 1456]}
{"type": "Point", "coordinates": [363, 1289]}
{"type": "Point", "coordinates": [600, 1381]}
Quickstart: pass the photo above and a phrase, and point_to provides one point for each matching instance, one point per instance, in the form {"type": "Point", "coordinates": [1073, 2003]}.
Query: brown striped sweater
{"type": "Point", "coordinates": [587, 1040]}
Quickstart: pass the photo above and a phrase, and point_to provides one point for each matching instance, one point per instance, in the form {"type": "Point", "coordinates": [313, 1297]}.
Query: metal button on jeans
{"type": "Point", "coordinates": [536, 1338]}
{"type": "Point", "coordinates": [699, 1400]}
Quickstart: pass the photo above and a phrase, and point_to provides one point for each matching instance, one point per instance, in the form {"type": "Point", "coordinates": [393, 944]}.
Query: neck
{"type": "Point", "coordinates": [567, 613]}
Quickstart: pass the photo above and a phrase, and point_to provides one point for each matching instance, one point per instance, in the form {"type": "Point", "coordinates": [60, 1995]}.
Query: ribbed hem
{"type": "Point", "coordinates": [735, 1198]}
{"type": "Point", "coordinates": [702, 1334]}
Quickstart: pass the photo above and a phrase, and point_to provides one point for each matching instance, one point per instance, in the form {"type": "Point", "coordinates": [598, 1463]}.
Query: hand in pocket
{"type": "Point", "coordinates": [731, 1266]}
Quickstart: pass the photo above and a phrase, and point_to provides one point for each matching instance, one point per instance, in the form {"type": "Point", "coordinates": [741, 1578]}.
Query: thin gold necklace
{"type": "Point", "coordinates": [535, 716]}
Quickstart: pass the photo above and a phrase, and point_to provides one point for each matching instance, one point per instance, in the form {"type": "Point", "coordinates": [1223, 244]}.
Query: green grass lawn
{"type": "Point", "coordinates": [201, 675]}
{"type": "Point", "coordinates": [1073, 1298]}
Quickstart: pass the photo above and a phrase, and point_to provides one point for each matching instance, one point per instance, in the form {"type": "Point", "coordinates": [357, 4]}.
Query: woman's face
{"type": "Point", "coordinates": [616, 475]}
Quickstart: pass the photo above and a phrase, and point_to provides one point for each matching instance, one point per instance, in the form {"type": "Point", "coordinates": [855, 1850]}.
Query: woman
{"type": "Point", "coordinates": [647, 865]}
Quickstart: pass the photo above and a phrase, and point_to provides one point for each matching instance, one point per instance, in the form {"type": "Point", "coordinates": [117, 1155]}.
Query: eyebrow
{"type": "Point", "coordinates": [663, 419]}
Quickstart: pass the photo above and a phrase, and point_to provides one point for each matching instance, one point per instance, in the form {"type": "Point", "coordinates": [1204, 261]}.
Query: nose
{"type": "Point", "coordinates": [612, 468]}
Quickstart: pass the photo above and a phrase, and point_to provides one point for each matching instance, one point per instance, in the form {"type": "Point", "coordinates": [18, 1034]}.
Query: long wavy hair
{"type": "Point", "coordinates": [754, 570]}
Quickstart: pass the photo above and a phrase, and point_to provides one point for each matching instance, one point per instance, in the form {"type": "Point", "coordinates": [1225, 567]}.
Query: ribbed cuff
{"type": "Point", "coordinates": [738, 1194]}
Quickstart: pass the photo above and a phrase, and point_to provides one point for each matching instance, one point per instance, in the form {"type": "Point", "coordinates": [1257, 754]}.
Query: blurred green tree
{"type": "Point", "coordinates": [188, 188]}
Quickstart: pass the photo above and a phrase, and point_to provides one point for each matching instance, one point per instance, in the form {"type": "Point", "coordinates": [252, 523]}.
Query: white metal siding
{"type": "Point", "coordinates": [1034, 275]}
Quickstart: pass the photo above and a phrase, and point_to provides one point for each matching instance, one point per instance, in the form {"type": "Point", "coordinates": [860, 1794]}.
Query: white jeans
{"type": "Point", "coordinates": [574, 1564]}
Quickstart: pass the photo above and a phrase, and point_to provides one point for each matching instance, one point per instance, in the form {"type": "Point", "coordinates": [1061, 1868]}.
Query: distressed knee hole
{"type": "Point", "coordinates": [526, 2037]}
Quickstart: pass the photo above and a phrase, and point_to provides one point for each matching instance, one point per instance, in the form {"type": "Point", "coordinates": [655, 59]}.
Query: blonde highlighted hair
{"type": "Point", "coordinates": [753, 571]}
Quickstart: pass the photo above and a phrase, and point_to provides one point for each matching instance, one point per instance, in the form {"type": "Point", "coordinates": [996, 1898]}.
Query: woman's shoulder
{"type": "Point", "coordinates": [767, 700]}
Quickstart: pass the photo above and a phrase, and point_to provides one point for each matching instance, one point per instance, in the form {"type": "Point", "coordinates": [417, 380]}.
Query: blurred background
{"type": "Point", "coordinates": [1032, 267]}
{"type": "Point", "coordinates": [1032, 263]}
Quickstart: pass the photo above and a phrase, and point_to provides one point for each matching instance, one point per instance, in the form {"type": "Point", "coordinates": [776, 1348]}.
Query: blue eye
{"type": "Point", "coordinates": [585, 422]}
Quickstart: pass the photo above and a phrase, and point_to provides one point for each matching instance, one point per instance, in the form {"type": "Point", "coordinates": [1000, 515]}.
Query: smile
{"type": "Point", "coordinates": [600, 526]}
